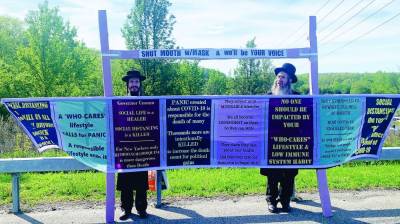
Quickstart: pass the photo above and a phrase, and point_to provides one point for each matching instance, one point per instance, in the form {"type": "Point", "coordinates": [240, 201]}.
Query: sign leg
{"type": "Point", "coordinates": [159, 188]}
{"type": "Point", "coordinates": [110, 197]}
{"type": "Point", "coordinates": [324, 193]}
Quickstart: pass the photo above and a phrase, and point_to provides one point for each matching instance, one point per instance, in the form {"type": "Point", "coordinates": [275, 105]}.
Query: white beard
{"type": "Point", "coordinates": [276, 90]}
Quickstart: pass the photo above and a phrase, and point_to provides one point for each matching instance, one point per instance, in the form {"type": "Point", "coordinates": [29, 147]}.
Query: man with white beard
{"type": "Point", "coordinates": [285, 76]}
{"type": "Point", "coordinates": [282, 85]}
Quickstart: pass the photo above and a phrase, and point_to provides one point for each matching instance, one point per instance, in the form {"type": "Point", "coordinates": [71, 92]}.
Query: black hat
{"type": "Point", "coordinates": [133, 74]}
{"type": "Point", "coordinates": [288, 69]}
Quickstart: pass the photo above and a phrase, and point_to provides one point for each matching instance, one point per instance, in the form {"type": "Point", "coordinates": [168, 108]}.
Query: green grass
{"type": "Point", "coordinates": [38, 188]}
{"type": "Point", "coordinates": [31, 154]}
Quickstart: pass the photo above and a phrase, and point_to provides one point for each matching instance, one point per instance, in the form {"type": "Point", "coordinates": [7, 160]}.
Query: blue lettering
{"type": "Point", "coordinates": [195, 52]}
{"type": "Point", "coordinates": [228, 52]}
{"type": "Point", "coordinates": [257, 52]}
{"type": "Point", "coordinates": [169, 53]}
{"type": "Point", "coordinates": [149, 53]}
{"type": "Point", "coordinates": [74, 116]}
{"type": "Point", "coordinates": [275, 53]}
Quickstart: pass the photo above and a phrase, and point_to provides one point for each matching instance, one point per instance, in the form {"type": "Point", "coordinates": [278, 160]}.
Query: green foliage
{"type": "Point", "coordinates": [11, 37]}
{"type": "Point", "coordinates": [189, 78]}
{"type": "Point", "coordinates": [40, 57]}
{"type": "Point", "coordinates": [353, 83]}
{"type": "Point", "coordinates": [12, 138]}
{"type": "Point", "coordinates": [14, 143]}
{"type": "Point", "coordinates": [149, 26]}
{"type": "Point", "coordinates": [88, 78]}
{"type": "Point", "coordinates": [301, 85]}
{"type": "Point", "coordinates": [10, 81]}
{"type": "Point", "coordinates": [217, 83]}
{"type": "Point", "coordinates": [392, 140]}
{"type": "Point", "coordinates": [52, 60]}
{"type": "Point", "coordinates": [253, 76]}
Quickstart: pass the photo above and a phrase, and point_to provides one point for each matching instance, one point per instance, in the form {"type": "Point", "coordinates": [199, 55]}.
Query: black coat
{"type": "Point", "coordinates": [132, 181]}
{"type": "Point", "coordinates": [279, 172]}
{"type": "Point", "coordinates": [269, 172]}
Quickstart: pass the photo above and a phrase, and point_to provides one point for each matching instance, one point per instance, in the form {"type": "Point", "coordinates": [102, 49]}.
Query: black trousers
{"type": "Point", "coordinates": [286, 182]}
{"type": "Point", "coordinates": [140, 200]}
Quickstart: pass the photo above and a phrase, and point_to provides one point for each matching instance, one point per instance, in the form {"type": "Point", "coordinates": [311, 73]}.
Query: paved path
{"type": "Point", "coordinates": [348, 207]}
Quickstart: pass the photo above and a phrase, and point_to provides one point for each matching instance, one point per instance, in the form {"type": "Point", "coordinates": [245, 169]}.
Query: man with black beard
{"type": "Point", "coordinates": [134, 181]}
{"type": "Point", "coordinates": [285, 76]}
{"type": "Point", "coordinates": [133, 81]}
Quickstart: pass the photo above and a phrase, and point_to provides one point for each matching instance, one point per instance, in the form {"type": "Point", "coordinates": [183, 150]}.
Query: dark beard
{"type": "Point", "coordinates": [137, 93]}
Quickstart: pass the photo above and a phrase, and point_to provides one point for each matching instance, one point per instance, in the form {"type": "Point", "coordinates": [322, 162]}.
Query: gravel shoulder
{"type": "Point", "coordinates": [372, 206]}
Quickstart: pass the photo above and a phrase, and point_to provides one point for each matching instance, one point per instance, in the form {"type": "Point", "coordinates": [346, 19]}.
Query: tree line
{"type": "Point", "coordinates": [41, 57]}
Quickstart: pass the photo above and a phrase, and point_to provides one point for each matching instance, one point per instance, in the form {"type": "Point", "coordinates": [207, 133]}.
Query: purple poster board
{"type": "Point", "coordinates": [378, 114]}
{"type": "Point", "coordinates": [239, 131]}
{"type": "Point", "coordinates": [146, 133]}
{"type": "Point", "coordinates": [35, 118]}
{"type": "Point", "coordinates": [188, 132]}
{"type": "Point", "coordinates": [290, 131]}
{"type": "Point", "coordinates": [136, 133]}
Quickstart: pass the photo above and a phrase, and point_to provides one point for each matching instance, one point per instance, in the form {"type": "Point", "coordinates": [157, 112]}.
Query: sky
{"type": "Point", "coordinates": [353, 35]}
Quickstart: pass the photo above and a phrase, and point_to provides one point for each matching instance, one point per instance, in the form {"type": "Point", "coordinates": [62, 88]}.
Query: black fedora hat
{"type": "Point", "coordinates": [133, 74]}
{"type": "Point", "coordinates": [288, 69]}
